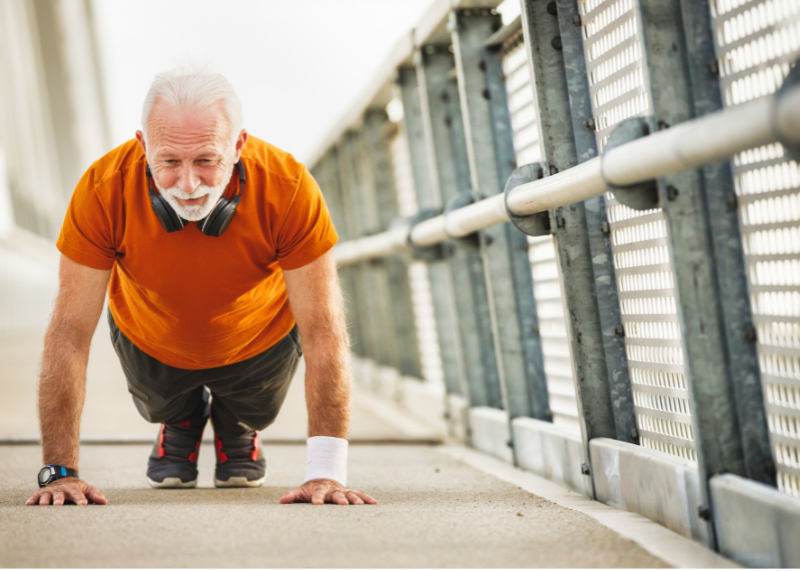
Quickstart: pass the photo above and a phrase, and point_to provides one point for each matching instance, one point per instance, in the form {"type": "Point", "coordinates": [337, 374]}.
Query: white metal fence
{"type": "Point", "coordinates": [756, 41]}
{"type": "Point", "coordinates": [421, 299]}
{"type": "Point", "coordinates": [547, 289]}
{"type": "Point", "coordinates": [617, 69]}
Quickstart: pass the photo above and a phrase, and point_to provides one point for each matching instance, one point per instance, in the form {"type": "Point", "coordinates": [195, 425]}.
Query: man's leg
{"type": "Point", "coordinates": [173, 397]}
{"type": "Point", "coordinates": [246, 398]}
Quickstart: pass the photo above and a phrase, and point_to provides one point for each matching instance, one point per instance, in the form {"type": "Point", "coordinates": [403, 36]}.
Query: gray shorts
{"type": "Point", "coordinates": [244, 395]}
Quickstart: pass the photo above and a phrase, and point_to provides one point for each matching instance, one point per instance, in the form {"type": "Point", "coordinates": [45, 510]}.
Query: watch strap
{"type": "Point", "coordinates": [58, 473]}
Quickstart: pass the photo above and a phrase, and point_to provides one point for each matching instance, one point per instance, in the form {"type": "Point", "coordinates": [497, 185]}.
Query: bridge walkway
{"type": "Point", "coordinates": [441, 505]}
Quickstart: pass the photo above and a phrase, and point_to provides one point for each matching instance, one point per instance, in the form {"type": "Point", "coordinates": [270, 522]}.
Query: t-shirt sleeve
{"type": "Point", "coordinates": [307, 231]}
{"type": "Point", "coordinates": [87, 235]}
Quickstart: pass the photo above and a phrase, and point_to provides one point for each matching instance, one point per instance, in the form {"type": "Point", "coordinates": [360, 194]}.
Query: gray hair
{"type": "Point", "coordinates": [194, 88]}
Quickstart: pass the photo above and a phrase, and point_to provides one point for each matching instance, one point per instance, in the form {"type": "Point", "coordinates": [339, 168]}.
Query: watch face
{"type": "Point", "coordinates": [44, 474]}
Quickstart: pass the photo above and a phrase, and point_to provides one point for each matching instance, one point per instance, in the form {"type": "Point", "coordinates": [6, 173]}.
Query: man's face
{"type": "Point", "coordinates": [191, 156]}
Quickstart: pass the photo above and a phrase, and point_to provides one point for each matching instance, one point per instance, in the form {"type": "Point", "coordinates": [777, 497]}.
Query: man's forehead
{"type": "Point", "coordinates": [203, 126]}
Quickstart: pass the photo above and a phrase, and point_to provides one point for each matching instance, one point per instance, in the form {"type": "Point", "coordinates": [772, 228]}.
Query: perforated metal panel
{"type": "Point", "coordinates": [541, 250]}
{"type": "Point", "coordinates": [620, 89]}
{"type": "Point", "coordinates": [421, 298]}
{"type": "Point", "coordinates": [756, 41]}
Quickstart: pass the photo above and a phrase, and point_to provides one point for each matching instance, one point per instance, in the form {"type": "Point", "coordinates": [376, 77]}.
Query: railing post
{"type": "Point", "coordinates": [720, 196]}
{"type": "Point", "coordinates": [376, 135]}
{"type": "Point", "coordinates": [683, 196]}
{"type": "Point", "coordinates": [428, 198]}
{"type": "Point", "coordinates": [330, 183]}
{"type": "Point", "coordinates": [444, 140]}
{"type": "Point", "coordinates": [374, 281]}
{"type": "Point", "coordinates": [491, 160]}
{"type": "Point", "coordinates": [605, 402]}
{"type": "Point", "coordinates": [363, 340]}
{"type": "Point", "coordinates": [618, 374]}
{"type": "Point", "coordinates": [371, 142]}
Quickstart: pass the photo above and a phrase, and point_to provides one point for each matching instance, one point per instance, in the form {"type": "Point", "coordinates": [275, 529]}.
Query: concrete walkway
{"type": "Point", "coordinates": [435, 510]}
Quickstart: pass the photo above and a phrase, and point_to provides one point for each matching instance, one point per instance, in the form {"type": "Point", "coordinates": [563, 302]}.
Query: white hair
{"type": "Point", "coordinates": [187, 87]}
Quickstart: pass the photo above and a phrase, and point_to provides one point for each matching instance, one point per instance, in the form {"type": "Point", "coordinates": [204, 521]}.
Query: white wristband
{"type": "Point", "coordinates": [327, 458]}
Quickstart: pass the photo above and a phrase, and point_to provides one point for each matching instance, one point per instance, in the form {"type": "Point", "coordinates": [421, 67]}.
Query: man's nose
{"type": "Point", "coordinates": [188, 181]}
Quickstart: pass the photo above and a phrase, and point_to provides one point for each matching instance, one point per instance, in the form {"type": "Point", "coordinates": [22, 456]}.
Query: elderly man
{"type": "Point", "coordinates": [216, 252]}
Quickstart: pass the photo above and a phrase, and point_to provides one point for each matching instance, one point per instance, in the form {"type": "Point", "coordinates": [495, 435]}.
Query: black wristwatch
{"type": "Point", "coordinates": [53, 472]}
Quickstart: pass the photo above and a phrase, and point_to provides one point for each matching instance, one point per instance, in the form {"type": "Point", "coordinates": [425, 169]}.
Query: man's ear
{"type": "Point", "coordinates": [140, 138]}
{"type": "Point", "coordinates": [240, 144]}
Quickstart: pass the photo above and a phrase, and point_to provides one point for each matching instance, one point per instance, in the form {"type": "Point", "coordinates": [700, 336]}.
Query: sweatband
{"type": "Point", "coordinates": [327, 458]}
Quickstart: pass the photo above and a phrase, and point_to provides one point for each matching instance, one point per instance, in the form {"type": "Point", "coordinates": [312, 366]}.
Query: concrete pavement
{"type": "Point", "coordinates": [434, 511]}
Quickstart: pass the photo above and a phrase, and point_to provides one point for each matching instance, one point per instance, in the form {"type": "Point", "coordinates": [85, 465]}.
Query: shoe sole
{"type": "Point", "coordinates": [239, 482]}
{"type": "Point", "coordinates": [172, 483]}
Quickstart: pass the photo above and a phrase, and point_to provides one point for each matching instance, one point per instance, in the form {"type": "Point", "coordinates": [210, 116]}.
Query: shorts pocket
{"type": "Point", "coordinates": [141, 395]}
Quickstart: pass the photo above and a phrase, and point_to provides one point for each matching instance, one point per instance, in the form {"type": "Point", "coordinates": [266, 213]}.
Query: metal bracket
{"type": "Point", "coordinates": [792, 150]}
{"type": "Point", "coordinates": [536, 224]}
{"type": "Point", "coordinates": [472, 242]}
{"type": "Point", "coordinates": [432, 253]}
{"type": "Point", "coordinates": [644, 195]}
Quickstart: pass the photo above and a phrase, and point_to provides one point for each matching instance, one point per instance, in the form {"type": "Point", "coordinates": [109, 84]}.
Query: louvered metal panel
{"type": "Point", "coordinates": [619, 89]}
{"type": "Point", "coordinates": [756, 42]}
{"type": "Point", "coordinates": [421, 298]}
{"type": "Point", "coordinates": [541, 250]}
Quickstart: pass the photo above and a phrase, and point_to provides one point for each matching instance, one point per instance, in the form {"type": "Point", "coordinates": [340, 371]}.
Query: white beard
{"type": "Point", "coordinates": [196, 212]}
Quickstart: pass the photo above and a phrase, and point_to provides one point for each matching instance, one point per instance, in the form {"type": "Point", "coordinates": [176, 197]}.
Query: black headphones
{"type": "Point", "coordinates": [212, 225]}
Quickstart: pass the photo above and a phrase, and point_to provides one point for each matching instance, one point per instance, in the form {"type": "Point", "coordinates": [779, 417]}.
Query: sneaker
{"type": "Point", "coordinates": [173, 462]}
{"type": "Point", "coordinates": [240, 462]}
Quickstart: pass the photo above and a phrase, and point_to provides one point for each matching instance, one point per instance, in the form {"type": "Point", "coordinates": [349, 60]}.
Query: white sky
{"type": "Point", "coordinates": [297, 65]}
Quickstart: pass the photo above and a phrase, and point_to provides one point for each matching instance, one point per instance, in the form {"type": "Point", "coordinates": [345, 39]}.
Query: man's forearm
{"type": "Point", "coordinates": [62, 389]}
{"type": "Point", "coordinates": [328, 383]}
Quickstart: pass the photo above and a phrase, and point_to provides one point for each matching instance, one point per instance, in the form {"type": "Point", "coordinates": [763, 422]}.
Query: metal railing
{"type": "Point", "coordinates": [693, 144]}
{"type": "Point", "coordinates": [676, 269]}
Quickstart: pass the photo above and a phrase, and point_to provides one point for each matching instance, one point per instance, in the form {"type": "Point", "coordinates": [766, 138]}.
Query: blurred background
{"type": "Point", "coordinates": [73, 75]}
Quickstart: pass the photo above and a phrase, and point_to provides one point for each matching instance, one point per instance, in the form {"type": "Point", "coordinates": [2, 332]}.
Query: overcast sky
{"type": "Point", "coordinates": [297, 65]}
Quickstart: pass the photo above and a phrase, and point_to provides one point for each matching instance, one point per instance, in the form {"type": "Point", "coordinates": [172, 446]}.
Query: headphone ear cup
{"type": "Point", "coordinates": [168, 218]}
{"type": "Point", "coordinates": [219, 219]}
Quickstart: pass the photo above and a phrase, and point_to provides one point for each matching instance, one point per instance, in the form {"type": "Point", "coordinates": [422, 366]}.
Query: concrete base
{"type": "Point", "coordinates": [661, 487]}
{"type": "Point", "coordinates": [456, 416]}
{"type": "Point", "coordinates": [757, 525]}
{"type": "Point", "coordinates": [424, 401]}
{"type": "Point", "coordinates": [386, 382]}
{"type": "Point", "coordinates": [550, 452]}
{"type": "Point", "coordinates": [490, 433]}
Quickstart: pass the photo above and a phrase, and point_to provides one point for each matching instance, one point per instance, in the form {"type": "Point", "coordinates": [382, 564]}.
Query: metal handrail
{"type": "Point", "coordinates": [695, 143]}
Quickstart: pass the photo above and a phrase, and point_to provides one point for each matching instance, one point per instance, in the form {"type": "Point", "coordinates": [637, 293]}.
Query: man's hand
{"type": "Point", "coordinates": [326, 491]}
{"type": "Point", "coordinates": [67, 489]}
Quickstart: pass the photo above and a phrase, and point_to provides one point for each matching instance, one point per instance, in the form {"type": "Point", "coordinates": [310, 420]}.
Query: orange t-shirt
{"type": "Point", "coordinates": [187, 299]}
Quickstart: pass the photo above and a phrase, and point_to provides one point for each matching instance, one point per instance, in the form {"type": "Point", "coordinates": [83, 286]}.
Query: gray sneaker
{"type": "Point", "coordinates": [240, 462]}
{"type": "Point", "coordinates": [173, 461]}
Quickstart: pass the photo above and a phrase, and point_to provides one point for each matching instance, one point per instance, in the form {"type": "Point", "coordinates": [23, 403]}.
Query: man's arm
{"type": "Point", "coordinates": [316, 302]}
{"type": "Point", "coordinates": [62, 384]}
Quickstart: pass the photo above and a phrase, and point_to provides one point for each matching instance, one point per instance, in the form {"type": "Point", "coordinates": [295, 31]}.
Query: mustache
{"type": "Point", "coordinates": [199, 192]}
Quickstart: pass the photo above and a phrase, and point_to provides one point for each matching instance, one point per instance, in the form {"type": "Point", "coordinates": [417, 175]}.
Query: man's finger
{"type": "Point", "coordinates": [354, 499]}
{"type": "Point", "coordinates": [58, 498]}
{"type": "Point", "coordinates": [339, 498]}
{"type": "Point", "coordinates": [289, 497]}
{"type": "Point", "coordinates": [96, 496]}
{"type": "Point", "coordinates": [78, 498]}
{"type": "Point", "coordinates": [44, 499]}
{"type": "Point", "coordinates": [367, 498]}
{"type": "Point", "coordinates": [33, 500]}
{"type": "Point", "coordinates": [318, 497]}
